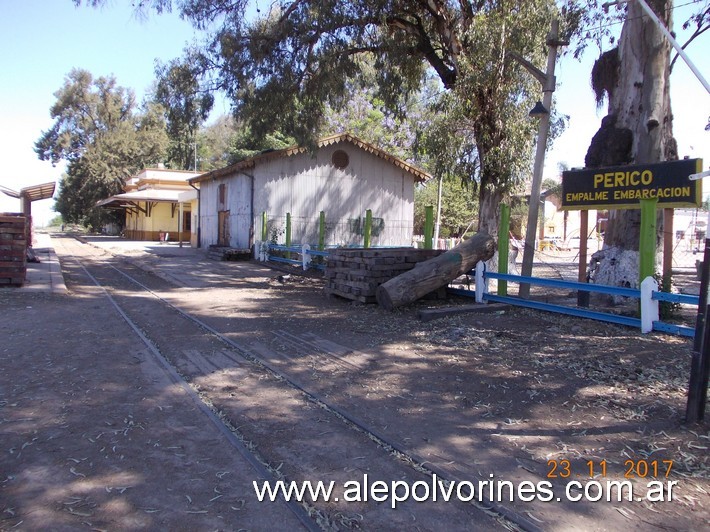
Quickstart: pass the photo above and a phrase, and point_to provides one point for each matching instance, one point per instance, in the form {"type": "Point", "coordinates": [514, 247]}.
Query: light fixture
{"type": "Point", "coordinates": [539, 110]}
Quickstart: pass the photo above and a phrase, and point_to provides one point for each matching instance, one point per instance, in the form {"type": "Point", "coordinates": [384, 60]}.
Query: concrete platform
{"type": "Point", "coordinates": [46, 275]}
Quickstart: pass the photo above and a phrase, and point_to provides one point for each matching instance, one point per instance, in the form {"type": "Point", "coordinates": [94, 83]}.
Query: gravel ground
{"type": "Point", "coordinates": [510, 395]}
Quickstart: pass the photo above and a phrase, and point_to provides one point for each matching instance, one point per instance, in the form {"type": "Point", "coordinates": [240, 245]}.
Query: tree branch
{"type": "Point", "coordinates": [698, 32]}
{"type": "Point", "coordinates": [446, 73]}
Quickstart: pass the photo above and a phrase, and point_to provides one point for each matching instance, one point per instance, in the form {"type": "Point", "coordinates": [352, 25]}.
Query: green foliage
{"type": "Point", "coordinates": [551, 187]}
{"type": "Point", "coordinates": [458, 208]}
{"type": "Point", "coordinates": [214, 144]}
{"type": "Point", "coordinates": [56, 221]}
{"type": "Point", "coordinates": [186, 105]}
{"type": "Point", "coordinates": [104, 138]}
{"type": "Point", "coordinates": [245, 144]}
{"type": "Point", "coordinates": [287, 66]}
{"type": "Point", "coordinates": [364, 113]}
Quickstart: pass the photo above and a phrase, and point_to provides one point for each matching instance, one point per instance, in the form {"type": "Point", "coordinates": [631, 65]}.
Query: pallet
{"type": "Point", "coordinates": [356, 273]}
{"type": "Point", "coordinates": [13, 249]}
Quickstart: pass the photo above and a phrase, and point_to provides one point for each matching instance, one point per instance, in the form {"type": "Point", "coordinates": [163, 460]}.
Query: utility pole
{"type": "Point", "coordinates": [547, 80]}
{"type": "Point", "coordinates": [700, 361]}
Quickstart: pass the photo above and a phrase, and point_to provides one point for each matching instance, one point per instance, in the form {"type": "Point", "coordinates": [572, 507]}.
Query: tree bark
{"type": "Point", "coordinates": [434, 273]}
{"type": "Point", "coordinates": [640, 120]}
{"type": "Point", "coordinates": [489, 211]}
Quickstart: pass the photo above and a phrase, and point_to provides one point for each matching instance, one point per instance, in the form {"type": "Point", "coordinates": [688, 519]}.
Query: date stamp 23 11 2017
{"type": "Point", "coordinates": [641, 468]}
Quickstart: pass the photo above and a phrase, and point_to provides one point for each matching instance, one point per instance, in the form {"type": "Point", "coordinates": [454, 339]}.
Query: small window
{"type": "Point", "coordinates": [340, 159]}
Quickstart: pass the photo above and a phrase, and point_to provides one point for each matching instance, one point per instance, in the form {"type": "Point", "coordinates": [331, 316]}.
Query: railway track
{"type": "Point", "coordinates": [280, 426]}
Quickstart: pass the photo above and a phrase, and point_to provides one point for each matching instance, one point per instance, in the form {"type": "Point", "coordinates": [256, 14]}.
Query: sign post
{"type": "Point", "coordinates": [648, 187]}
{"type": "Point", "coordinates": [583, 297]}
{"type": "Point", "coordinates": [700, 361]}
{"type": "Point", "coordinates": [622, 187]}
{"type": "Point", "coordinates": [503, 247]}
{"type": "Point", "coordinates": [647, 239]}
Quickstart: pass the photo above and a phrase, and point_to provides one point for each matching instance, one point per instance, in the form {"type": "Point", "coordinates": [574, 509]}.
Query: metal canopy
{"type": "Point", "coordinates": [10, 192]}
{"type": "Point", "coordinates": [151, 195]}
{"type": "Point", "coordinates": [38, 192]}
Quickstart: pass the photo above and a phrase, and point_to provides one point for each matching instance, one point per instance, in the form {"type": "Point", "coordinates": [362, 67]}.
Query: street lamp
{"type": "Point", "coordinates": [541, 110]}
{"type": "Point", "coordinates": [538, 111]}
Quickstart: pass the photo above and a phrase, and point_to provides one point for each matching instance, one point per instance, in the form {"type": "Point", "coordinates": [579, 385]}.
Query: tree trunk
{"type": "Point", "coordinates": [637, 130]}
{"type": "Point", "coordinates": [488, 219]}
{"type": "Point", "coordinates": [434, 273]}
{"type": "Point", "coordinates": [489, 211]}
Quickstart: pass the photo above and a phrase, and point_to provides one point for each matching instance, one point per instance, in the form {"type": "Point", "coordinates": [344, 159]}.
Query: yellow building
{"type": "Point", "coordinates": [158, 205]}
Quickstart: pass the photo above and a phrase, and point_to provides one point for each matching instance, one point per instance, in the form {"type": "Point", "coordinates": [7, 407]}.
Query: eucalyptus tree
{"type": "Point", "coordinates": [214, 143]}
{"type": "Point", "coordinates": [459, 210]}
{"type": "Point", "coordinates": [634, 78]}
{"type": "Point", "coordinates": [103, 137]}
{"type": "Point", "coordinates": [187, 106]}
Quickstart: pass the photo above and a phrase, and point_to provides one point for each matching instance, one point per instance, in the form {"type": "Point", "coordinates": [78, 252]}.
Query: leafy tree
{"type": "Point", "coordinates": [245, 144]}
{"type": "Point", "coordinates": [56, 221]}
{"type": "Point", "coordinates": [214, 143]}
{"type": "Point", "coordinates": [283, 67]}
{"type": "Point", "coordinates": [365, 114]}
{"type": "Point", "coordinates": [458, 207]}
{"type": "Point", "coordinates": [186, 105]}
{"type": "Point", "coordinates": [104, 139]}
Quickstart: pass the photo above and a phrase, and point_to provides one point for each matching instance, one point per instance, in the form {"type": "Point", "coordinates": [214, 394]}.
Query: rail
{"type": "Point", "coordinates": [264, 251]}
{"type": "Point", "coordinates": [648, 295]}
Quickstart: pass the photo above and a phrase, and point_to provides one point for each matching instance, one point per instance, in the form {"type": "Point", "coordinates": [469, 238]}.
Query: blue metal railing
{"type": "Point", "coordinates": [305, 251]}
{"type": "Point", "coordinates": [582, 312]}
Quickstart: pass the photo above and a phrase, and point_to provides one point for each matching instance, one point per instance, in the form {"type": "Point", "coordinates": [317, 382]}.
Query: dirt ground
{"type": "Point", "coordinates": [94, 435]}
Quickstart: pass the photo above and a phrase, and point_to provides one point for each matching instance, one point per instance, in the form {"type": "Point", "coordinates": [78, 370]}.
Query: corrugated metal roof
{"type": "Point", "coordinates": [38, 192]}
{"type": "Point", "coordinates": [10, 192]}
{"type": "Point", "coordinates": [153, 194]}
{"type": "Point", "coordinates": [250, 162]}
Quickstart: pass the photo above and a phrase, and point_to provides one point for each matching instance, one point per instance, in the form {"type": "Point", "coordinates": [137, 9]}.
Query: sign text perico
{"type": "Point", "coordinates": [621, 187]}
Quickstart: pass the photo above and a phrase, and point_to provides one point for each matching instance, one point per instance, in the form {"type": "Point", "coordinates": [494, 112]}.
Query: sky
{"type": "Point", "coordinates": [42, 40]}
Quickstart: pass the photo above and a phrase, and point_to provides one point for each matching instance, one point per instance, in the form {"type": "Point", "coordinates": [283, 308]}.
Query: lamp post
{"type": "Point", "coordinates": [542, 110]}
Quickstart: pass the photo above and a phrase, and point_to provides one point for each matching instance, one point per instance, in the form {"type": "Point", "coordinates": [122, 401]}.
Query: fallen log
{"type": "Point", "coordinates": [434, 273]}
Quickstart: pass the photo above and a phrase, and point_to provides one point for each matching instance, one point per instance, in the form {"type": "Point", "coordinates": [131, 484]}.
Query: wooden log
{"type": "Point", "coordinates": [434, 273]}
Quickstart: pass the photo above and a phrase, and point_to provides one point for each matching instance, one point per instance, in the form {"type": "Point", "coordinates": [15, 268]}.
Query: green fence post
{"type": "Point", "coordinates": [321, 231]}
{"type": "Point", "coordinates": [428, 227]}
{"type": "Point", "coordinates": [288, 233]}
{"type": "Point", "coordinates": [647, 239]}
{"type": "Point", "coordinates": [264, 231]}
{"type": "Point", "coordinates": [368, 228]}
{"type": "Point", "coordinates": [503, 247]}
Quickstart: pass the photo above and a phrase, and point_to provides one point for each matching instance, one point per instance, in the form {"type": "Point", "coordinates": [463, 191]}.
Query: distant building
{"type": "Point", "coordinates": [158, 205]}
{"type": "Point", "coordinates": [343, 177]}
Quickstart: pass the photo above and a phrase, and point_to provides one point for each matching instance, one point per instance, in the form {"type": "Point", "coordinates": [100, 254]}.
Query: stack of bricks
{"type": "Point", "coordinates": [356, 273]}
{"type": "Point", "coordinates": [13, 249]}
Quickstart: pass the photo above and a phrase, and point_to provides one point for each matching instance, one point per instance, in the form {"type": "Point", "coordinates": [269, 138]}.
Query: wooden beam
{"type": "Point", "coordinates": [137, 205]}
{"type": "Point", "coordinates": [434, 273]}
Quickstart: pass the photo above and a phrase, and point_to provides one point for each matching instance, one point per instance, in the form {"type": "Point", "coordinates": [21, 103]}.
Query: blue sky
{"type": "Point", "coordinates": [42, 40]}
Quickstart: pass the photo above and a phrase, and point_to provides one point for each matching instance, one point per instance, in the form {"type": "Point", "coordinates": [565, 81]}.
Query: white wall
{"type": "Point", "coordinates": [304, 185]}
{"type": "Point", "coordinates": [238, 203]}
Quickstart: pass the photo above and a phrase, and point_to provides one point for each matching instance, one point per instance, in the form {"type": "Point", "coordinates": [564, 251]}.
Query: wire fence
{"type": "Point", "coordinates": [345, 233]}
